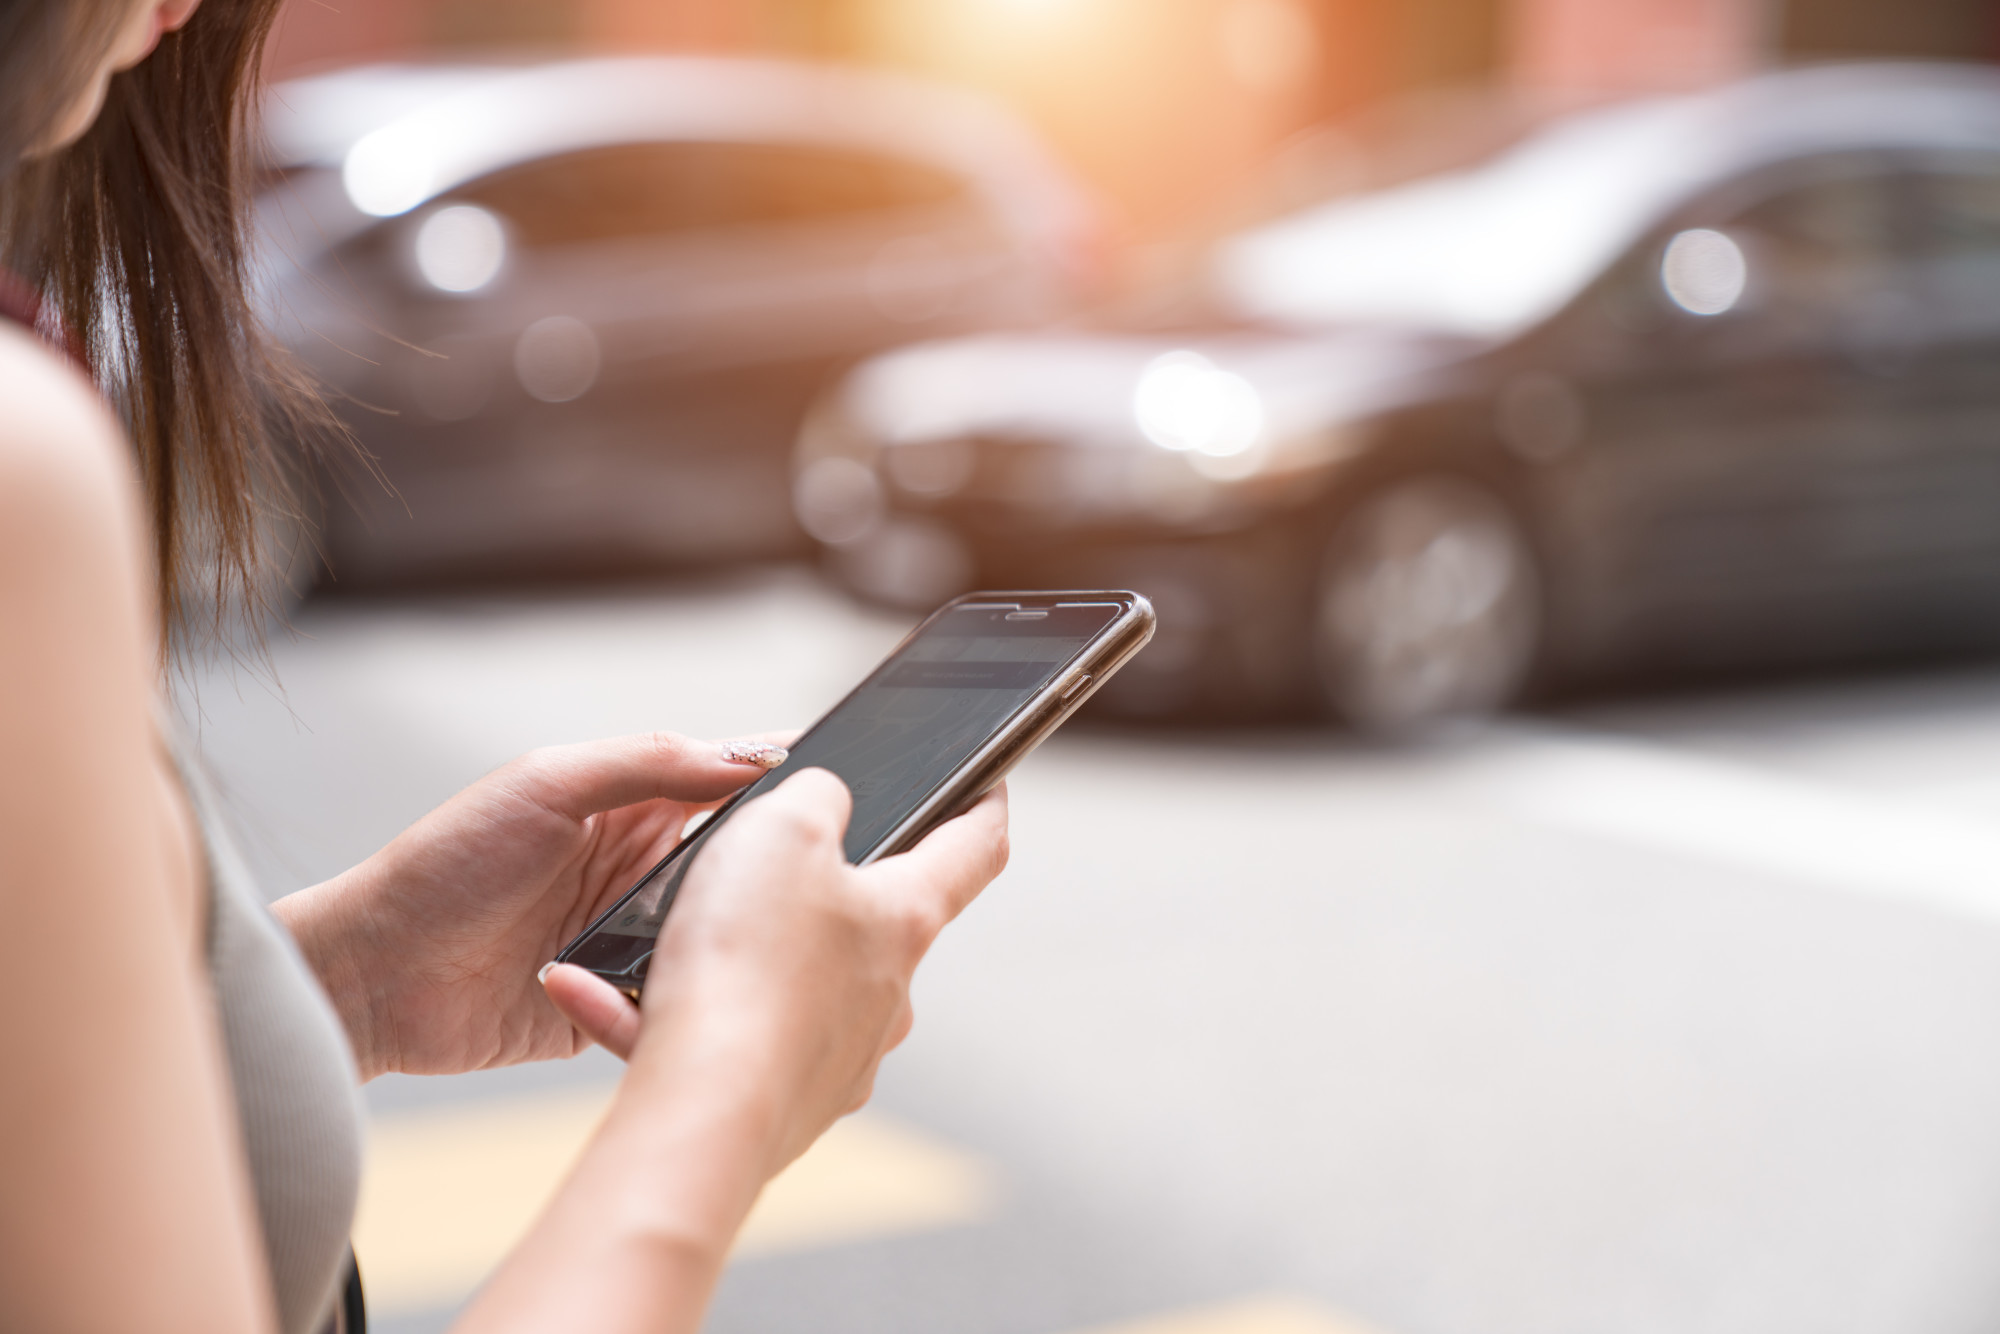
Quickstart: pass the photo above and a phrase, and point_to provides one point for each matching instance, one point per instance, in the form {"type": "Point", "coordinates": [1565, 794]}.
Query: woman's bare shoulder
{"type": "Point", "coordinates": [62, 454]}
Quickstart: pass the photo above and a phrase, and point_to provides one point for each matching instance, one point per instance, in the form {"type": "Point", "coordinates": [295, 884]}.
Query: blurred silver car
{"type": "Point", "coordinates": [575, 311]}
{"type": "Point", "coordinates": [1702, 383]}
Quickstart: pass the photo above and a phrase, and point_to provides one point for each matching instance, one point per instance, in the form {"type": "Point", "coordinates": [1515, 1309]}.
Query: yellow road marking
{"type": "Point", "coordinates": [449, 1190]}
{"type": "Point", "coordinates": [1262, 1315]}
{"type": "Point", "coordinates": [866, 1178]}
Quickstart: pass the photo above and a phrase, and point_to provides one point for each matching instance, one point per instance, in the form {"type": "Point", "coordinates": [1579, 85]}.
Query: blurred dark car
{"type": "Point", "coordinates": [1702, 383]}
{"type": "Point", "coordinates": [576, 310]}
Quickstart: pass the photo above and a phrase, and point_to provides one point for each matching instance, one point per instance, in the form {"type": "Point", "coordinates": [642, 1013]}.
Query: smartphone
{"type": "Point", "coordinates": [971, 691]}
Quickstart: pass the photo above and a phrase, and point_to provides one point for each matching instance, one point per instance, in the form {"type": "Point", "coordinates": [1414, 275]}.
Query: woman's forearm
{"type": "Point", "coordinates": [324, 923]}
{"type": "Point", "coordinates": [638, 1235]}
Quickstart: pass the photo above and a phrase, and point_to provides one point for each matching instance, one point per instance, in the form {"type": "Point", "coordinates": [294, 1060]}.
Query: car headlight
{"type": "Point", "coordinates": [1284, 465]}
{"type": "Point", "coordinates": [1186, 403]}
{"type": "Point", "coordinates": [387, 173]}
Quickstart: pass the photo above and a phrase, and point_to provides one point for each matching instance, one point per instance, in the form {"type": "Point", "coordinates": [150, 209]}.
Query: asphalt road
{"type": "Point", "coordinates": [1672, 1015]}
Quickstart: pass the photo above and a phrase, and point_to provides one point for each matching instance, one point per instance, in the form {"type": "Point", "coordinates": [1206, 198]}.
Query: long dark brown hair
{"type": "Point", "coordinates": [134, 237]}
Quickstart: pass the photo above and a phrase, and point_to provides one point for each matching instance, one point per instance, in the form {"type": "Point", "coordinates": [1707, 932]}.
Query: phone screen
{"type": "Point", "coordinates": [902, 733]}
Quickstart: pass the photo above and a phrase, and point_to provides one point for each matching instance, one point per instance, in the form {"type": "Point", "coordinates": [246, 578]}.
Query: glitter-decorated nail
{"type": "Point", "coordinates": [755, 752]}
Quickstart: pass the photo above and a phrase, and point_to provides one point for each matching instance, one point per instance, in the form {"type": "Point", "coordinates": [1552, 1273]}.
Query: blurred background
{"type": "Point", "coordinates": [1543, 874]}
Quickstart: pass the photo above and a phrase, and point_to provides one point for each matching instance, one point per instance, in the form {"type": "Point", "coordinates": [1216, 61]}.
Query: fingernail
{"type": "Point", "coordinates": [755, 752]}
{"type": "Point", "coordinates": [547, 968]}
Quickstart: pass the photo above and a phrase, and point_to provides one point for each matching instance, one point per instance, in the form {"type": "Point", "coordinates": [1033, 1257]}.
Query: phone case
{"type": "Point", "coordinates": [1040, 716]}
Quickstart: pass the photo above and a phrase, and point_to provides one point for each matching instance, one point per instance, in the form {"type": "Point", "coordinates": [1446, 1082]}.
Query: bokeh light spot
{"type": "Point", "coordinates": [1704, 271]}
{"type": "Point", "coordinates": [461, 248]}
{"type": "Point", "coordinates": [838, 500]}
{"type": "Point", "coordinates": [557, 359]}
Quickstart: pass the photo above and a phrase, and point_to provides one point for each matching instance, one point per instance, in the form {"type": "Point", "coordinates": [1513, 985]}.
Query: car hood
{"type": "Point", "coordinates": [1079, 388]}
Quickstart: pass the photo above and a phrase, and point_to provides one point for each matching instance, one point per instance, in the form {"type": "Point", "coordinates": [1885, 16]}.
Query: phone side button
{"type": "Point", "coordinates": [1075, 686]}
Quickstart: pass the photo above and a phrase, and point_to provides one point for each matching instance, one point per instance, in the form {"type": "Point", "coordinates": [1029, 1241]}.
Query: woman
{"type": "Point", "coordinates": [177, 1142]}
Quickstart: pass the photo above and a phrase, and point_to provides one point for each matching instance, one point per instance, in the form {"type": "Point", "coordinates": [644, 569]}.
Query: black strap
{"type": "Point", "coordinates": [351, 1317]}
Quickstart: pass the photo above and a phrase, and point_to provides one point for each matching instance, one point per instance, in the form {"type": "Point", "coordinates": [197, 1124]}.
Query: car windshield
{"type": "Point", "coordinates": [1480, 252]}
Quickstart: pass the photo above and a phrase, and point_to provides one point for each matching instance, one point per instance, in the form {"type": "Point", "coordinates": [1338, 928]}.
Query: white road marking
{"type": "Point", "coordinates": [450, 1190]}
{"type": "Point", "coordinates": [1739, 815]}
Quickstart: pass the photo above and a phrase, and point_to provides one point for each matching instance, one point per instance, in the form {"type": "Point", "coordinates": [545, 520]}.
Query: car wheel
{"type": "Point", "coordinates": [1428, 606]}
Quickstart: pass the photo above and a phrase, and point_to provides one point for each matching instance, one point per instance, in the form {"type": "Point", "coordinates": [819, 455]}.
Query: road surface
{"type": "Point", "coordinates": [1670, 1015]}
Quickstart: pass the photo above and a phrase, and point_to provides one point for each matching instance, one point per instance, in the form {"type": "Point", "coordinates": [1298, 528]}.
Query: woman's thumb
{"type": "Point", "coordinates": [598, 1010]}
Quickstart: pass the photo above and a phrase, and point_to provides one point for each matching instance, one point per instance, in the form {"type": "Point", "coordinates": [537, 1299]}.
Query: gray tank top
{"type": "Point", "coordinates": [296, 1091]}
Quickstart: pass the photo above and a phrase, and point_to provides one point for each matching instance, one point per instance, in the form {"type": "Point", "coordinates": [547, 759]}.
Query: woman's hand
{"type": "Point", "coordinates": [780, 980]}
{"type": "Point", "coordinates": [782, 969]}
{"type": "Point", "coordinates": [430, 948]}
